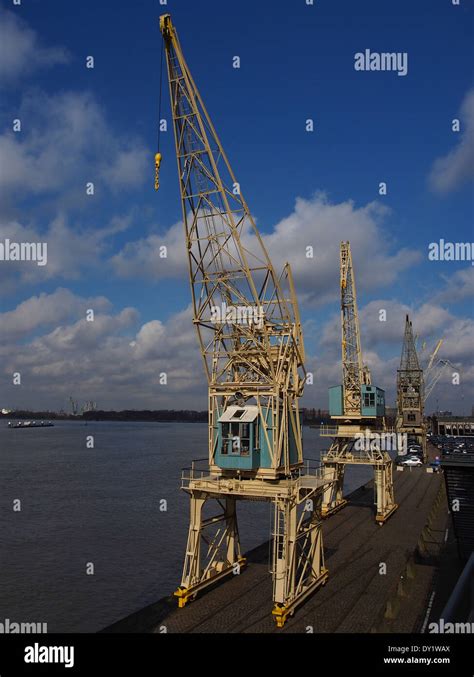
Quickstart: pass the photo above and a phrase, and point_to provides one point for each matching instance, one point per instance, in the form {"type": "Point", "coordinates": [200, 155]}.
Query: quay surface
{"type": "Point", "coordinates": [358, 597]}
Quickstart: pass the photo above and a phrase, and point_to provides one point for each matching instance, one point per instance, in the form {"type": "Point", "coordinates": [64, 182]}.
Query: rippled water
{"type": "Point", "coordinates": [101, 506]}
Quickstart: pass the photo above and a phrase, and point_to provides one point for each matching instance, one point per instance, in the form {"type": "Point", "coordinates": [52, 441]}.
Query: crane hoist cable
{"type": "Point", "coordinates": [158, 155]}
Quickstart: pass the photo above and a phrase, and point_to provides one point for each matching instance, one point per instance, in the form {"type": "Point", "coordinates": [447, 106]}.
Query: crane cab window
{"type": "Point", "coordinates": [239, 431]}
{"type": "Point", "coordinates": [369, 399]}
{"type": "Point", "coordinates": [238, 434]}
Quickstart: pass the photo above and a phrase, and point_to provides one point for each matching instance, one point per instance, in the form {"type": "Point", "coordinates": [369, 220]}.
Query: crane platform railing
{"type": "Point", "coordinates": [310, 472]}
{"type": "Point", "coordinates": [344, 430]}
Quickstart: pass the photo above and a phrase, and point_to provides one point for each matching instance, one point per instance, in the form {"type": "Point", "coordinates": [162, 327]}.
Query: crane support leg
{"type": "Point", "coordinates": [298, 556]}
{"type": "Point", "coordinates": [213, 548]}
{"type": "Point", "coordinates": [384, 497]}
{"type": "Point", "coordinates": [343, 452]}
{"type": "Point", "coordinates": [333, 499]}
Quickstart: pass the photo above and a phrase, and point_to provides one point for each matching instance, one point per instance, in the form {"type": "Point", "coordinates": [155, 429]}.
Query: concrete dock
{"type": "Point", "coordinates": [380, 577]}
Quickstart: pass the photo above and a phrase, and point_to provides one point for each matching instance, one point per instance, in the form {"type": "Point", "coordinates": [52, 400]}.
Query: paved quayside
{"type": "Point", "coordinates": [356, 598]}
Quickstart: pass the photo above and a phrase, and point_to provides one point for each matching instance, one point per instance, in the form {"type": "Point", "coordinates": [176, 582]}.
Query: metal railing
{"type": "Point", "coordinates": [326, 430]}
{"type": "Point", "coordinates": [312, 467]}
{"type": "Point", "coordinates": [199, 470]}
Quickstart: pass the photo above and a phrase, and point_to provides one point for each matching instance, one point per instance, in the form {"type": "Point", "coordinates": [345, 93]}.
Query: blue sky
{"type": "Point", "coordinates": [297, 62]}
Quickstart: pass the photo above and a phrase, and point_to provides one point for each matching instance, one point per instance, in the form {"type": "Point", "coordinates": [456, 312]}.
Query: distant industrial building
{"type": "Point", "coordinates": [462, 426]}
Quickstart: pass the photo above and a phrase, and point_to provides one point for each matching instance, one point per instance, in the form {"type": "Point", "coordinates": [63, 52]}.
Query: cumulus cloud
{"type": "Point", "coordinates": [458, 287]}
{"type": "Point", "coordinates": [85, 335]}
{"type": "Point", "coordinates": [315, 223]}
{"type": "Point", "coordinates": [71, 248]}
{"type": "Point", "coordinates": [117, 361]}
{"type": "Point", "coordinates": [428, 320]}
{"type": "Point", "coordinates": [323, 225]}
{"type": "Point", "coordinates": [46, 310]}
{"type": "Point", "coordinates": [21, 51]}
{"type": "Point", "coordinates": [66, 142]}
{"type": "Point", "coordinates": [454, 169]}
{"type": "Point", "coordinates": [113, 360]}
{"type": "Point", "coordinates": [382, 345]}
{"type": "Point", "coordinates": [430, 323]}
{"type": "Point", "coordinates": [143, 258]}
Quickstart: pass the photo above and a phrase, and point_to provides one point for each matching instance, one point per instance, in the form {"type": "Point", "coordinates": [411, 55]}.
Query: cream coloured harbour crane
{"type": "Point", "coordinates": [358, 409]}
{"type": "Point", "coordinates": [249, 333]}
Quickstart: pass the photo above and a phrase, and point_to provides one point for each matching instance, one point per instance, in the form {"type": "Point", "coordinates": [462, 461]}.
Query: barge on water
{"type": "Point", "coordinates": [31, 424]}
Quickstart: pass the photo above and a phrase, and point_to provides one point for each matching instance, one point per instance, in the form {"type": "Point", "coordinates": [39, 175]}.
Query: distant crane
{"type": "Point", "coordinates": [89, 406]}
{"type": "Point", "coordinates": [434, 353]}
{"type": "Point", "coordinates": [249, 331]}
{"type": "Point", "coordinates": [436, 371]}
{"type": "Point", "coordinates": [410, 390]}
{"type": "Point", "coordinates": [74, 406]}
{"type": "Point", "coordinates": [358, 407]}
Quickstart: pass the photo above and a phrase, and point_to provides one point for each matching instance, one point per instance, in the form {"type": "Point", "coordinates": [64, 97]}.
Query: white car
{"type": "Point", "coordinates": [412, 461]}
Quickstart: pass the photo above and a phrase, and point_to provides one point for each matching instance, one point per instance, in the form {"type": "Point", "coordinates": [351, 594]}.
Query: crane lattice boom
{"type": "Point", "coordinates": [354, 373]}
{"type": "Point", "coordinates": [246, 316]}
{"type": "Point", "coordinates": [231, 273]}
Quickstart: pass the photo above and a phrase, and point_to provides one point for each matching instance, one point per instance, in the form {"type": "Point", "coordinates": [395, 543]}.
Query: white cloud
{"type": "Point", "coordinates": [85, 335]}
{"type": "Point", "coordinates": [158, 340]}
{"type": "Point", "coordinates": [458, 287]}
{"type": "Point", "coordinates": [71, 248]}
{"type": "Point", "coordinates": [21, 51]}
{"type": "Point", "coordinates": [46, 310]}
{"type": "Point", "coordinates": [323, 225]}
{"type": "Point", "coordinates": [382, 345]}
{"type": "Point", "coordinates": [142, 258]}
{"type": "Point", "coordinates": [457, 167]}
{"type": "Point", "coordinates": [117, 361]}
{"type": "Point", "coordinates": [66, 142]}
{"type": "Point", "coordinates": [317, 223]}
{"type": "Point", "coordinates": [428, 321]}
{"type": "Point", "coordinates": [113, 360]}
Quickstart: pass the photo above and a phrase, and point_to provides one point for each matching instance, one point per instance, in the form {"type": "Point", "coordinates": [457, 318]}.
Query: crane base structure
{"type": "Point", "coordinates": [213, 548]}
{"type": "Point", "coordinates": [343, 452]}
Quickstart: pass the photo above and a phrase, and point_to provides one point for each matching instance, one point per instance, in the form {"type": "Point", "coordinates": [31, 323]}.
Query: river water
{"type": "Point", "coordinates": [101, 506]}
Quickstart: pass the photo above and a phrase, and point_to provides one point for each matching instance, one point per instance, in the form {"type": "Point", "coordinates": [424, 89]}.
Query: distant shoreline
{"type": "Point", "coordinates": [310, 416]}
{"type": "Point", "coordinates": [159, 416]}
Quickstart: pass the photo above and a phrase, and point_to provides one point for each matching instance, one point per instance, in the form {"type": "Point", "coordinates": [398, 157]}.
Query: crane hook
{"type": "Point", "coordinates": [157, 170]}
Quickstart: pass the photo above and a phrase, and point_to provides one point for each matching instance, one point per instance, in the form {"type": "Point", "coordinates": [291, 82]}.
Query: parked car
{"type": "Point", "coordinates": [412, 461]}
{"type": "Point", "coordinates": [415, 452]}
